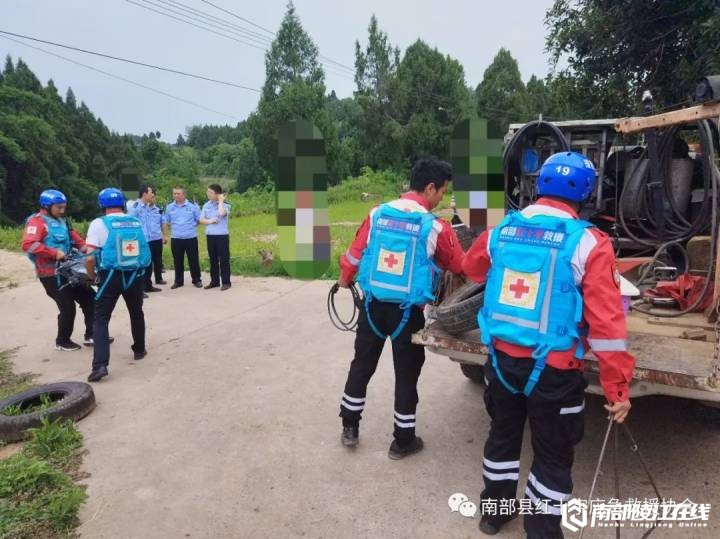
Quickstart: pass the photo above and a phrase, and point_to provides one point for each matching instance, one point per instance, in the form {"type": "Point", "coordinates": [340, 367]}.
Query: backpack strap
{"type": "Point", "coordinates": [104, 285]}
{"type": "Point", "coordinates": [398, 329]}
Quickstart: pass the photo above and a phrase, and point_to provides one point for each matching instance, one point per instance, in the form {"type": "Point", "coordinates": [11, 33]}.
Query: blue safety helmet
{"type": "Point", "coordinates": [568, 175]}
{"type": "Point", "coordinates": [50, 197]}
{"type": "Point", "coordinates": [110, 197]}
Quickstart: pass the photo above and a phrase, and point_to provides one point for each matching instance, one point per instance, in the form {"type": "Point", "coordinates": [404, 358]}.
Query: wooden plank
{"type": "Point", "coordinates": [691, 114]}
{"type": "Point", "coordinates": [663, 360]}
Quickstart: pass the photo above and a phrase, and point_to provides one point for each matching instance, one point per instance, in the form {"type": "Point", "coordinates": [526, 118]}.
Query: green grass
{"type": "Point", "coordinates": [16, 409]}
{"type": "Point", "coordinates": [11, 383]}
{"type": "Point", "coordinates": [38, 497]}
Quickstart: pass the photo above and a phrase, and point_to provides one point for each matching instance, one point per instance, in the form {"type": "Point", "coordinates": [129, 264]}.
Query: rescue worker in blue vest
{"type": "Point", "coordinates": [122, 255]}
{"type": "Point", "coordinates": [47, 239]}
{"type": "Point", "coordinates": [149, 215]}
{"type": "Point", "coordinates": [394, 254]}
{"type": "Point", "coordinates": [552, 290]}
{"type": "Point", "coordinates": [183, 216]}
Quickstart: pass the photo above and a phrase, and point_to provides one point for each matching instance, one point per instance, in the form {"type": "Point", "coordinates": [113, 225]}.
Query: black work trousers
{"type": "Point", "coordinates": [155, 267]}
{"type": "Point", "coordinates": [179, 248]}
{"type": "Point", "coordinates": [408, 359]}
{"type": "Point", "coordinates": [65, 299]}
{"type": "Point", "coordinates": [218, 246]}
{"type": "Point", "coordinates": [104, 307]}
{"type": "Point", "coordinates": [556, 412]}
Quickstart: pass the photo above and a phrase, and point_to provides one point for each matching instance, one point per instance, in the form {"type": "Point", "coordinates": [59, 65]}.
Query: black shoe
{"type": "Point", "coordinates": [197, 284]}
{"type": "Point", "coordinates": [89, 341]}
{"type": "Point", "coordinates": [69, 346]}
{"type": "Point", "coordinates": [350, 436]}
{"type": "Point", "coordinates": [153, 289]}
{"type": "Point", "coordinates": [211, 285]}
{"type": "Point", "coordinates": [175, 285]}
{"type": "Point", "coordinates": [492, 527]}
{"type": "Point", "coordinates": [139, 355]}
{"type": "Point", "coordinates": [161, 281]}
{"type": "Point", "coordinates": [97, 375]}
{"type": "Point", "coordinates": [396, 452]}
{"type": "Point", "coordinates": [225, 286]}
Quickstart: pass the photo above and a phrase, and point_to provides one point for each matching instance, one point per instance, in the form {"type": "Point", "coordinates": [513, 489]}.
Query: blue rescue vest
{"type": "Point", "coordinates": [58, 236]}
{"type": "Point", "coordinates": [531, 298]}
{"type": "Point", "coordinates": [395, 266]}
{"type": "Point", "coordinates": [126, 250]}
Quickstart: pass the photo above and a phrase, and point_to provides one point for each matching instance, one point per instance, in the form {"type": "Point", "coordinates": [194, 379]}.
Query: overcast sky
{"type": "Point", "coordinates": [471, 31]}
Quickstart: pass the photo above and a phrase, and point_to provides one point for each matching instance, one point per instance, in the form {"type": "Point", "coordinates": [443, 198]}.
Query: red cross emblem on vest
{"type": "Point", "coordinates": [519, 288]}
{"type": "Point", "coordinates": [391, 260]}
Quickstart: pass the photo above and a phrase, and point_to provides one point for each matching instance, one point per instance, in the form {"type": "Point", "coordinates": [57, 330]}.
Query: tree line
{"type": "Point", "coordinates": [603, 55]}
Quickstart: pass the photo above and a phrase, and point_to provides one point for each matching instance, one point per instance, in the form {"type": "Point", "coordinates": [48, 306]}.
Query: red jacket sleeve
{"type": "Point", "coordinates": [477, 259]}
{"type": "Point", "coordinates": [77, 240]}
{"type": "Point", "coordinates": [603, 312]}
{"type": "Point", "coordinates": [448, 252]}
{"type": "Point", "coordinates": [33, 236]}
{"type": "Point", "coordinates": [350, 259]}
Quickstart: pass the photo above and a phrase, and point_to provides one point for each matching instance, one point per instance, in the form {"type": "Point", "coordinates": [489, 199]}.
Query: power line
{"type": "Point", "coordinates": [238, 17]}
{"type": "Point", "coordinates": [203, 20]}
{"type": "Point", "coordinates": [134, 83]}
{"type": "Point", "coordinates": [195, 25]}
{"type": "Point", "coordinates": [344, 66]}
{"type": "Point", "coordinates": [203, 14]}
{"type": "Point", "coordinates": [168, 13]}
{"type": "Point", "coordinates": [135, 62]}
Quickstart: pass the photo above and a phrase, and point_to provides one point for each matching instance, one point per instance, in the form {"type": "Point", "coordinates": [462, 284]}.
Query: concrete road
{"type": "Point", "coordinates": [229, 427]}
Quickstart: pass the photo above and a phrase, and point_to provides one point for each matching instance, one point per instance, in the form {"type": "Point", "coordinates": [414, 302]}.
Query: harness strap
{"type": "Point", "coordinates": [376, 331]}
{"type": "Point", "coordinates": [498, 372]}
{"type": "Point", "coordinates": [402, 324]}
{"type": "Point", "coordinates": [398, 329]}
{"type": "Point", "coordinates": [105, 283]}
{"type": "Point", "coordinates": [538, 368]}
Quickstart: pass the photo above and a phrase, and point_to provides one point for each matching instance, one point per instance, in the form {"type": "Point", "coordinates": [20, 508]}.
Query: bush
{"type": "Point", "coordinates": [380, 185]}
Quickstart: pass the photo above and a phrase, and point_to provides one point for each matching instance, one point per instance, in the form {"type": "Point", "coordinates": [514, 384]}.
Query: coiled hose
{"type": "Point", "coordinates": [510, 155]}
{"type": "Point", "coordinates": [712, 176]}
{"type": "Point", "coordinates": [342, 325]}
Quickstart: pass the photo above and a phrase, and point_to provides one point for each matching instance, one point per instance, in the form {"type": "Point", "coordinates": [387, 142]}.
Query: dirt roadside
{"type": "Point", "coordinates": [229, 427]}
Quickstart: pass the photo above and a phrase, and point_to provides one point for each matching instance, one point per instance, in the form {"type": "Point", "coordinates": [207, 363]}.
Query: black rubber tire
{"type": "Point", "coordinates": [708, 414]}
{"type": "Point", "coordinates": [476, 373]}
{"type": "Point", "coordinates": [72, 400]}
{"type": "Point", "coordinates": [458, 313]}
{"type": "Point", "coordinates": [465, 236]}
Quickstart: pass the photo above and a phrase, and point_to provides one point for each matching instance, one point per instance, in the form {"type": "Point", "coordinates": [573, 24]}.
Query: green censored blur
{"type": "Point", "coordinates": [478, 184]}
{"type": "Point", "coordinates": [302, 204]}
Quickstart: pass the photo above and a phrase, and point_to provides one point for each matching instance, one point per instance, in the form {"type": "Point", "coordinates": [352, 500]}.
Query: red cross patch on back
{"type": "Point", "coordinates": [130, 248]}
{"type": "Point", "coordinates": [391, 262]}
{"type": "Point", "coordinates": [520, 289]}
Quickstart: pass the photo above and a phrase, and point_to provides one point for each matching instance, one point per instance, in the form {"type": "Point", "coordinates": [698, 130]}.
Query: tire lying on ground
{"type": "Point", "coordinates": [458, 313]}
{"type": "Point", "coordinates": [70, 400]}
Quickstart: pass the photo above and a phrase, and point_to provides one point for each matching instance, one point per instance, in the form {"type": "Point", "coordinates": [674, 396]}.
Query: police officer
{"type": "Point", "coordinates": [551, 280]}
{"type": "Point", "coordinates": [182, 216]}
{"type": "Point", "coordinates": [48, 238]}
{"type": "Point", "coordinates": [388, 268]}
{"type": "Point", "coordinates": [149, 215]}
{"type": "Point", "coordinates": [122, 254]}
{"type": "Point", "coordinates": [215, 214]}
